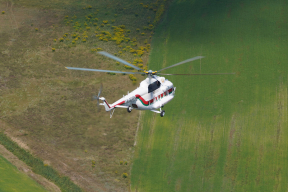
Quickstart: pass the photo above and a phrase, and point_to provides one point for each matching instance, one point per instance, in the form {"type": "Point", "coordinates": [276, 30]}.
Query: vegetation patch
{"type": "Point", "coordinates": [37, 165]}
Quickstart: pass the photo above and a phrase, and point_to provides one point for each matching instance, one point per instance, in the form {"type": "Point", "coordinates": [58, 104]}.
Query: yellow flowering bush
{"type": "Point", "coordinates": [140, 52]}
{"type": "Point", "coordinates": [3, 12]}
{"type": "Point", "coordinates": [128, 67]}
{"type": "Point", "coordinates": [132, 77]}
{"type": "Point", "coordinates": [61, 39]}
{"type": "Point", "coordinates": [105, 21]}
{"type": "Point", "coordinates": [36, 29]}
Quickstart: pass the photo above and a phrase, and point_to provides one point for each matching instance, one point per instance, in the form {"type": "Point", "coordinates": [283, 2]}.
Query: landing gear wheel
{"type": "Point", "coordinates": [162, 113]}
{"type": "Point", "coordinates": [129, 109]}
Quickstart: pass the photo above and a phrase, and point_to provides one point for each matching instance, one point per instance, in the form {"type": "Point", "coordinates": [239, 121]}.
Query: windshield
{"type": "Point", "coordinates": [153, 86]}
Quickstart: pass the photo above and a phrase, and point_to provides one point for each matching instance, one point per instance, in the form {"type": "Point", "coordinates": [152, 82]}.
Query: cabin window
{"type": "Point", "coordinates": [153, 86]}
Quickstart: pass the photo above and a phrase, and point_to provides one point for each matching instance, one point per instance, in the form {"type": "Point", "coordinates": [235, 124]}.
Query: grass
{"type": "Point", "coordinates": [12, 179]}
{"type": "Point", "coordinates": [220, 133]}
{"type": "Point", "coordinates": [48, 107]}
{"type": "Point", "coordinates": [37, 165]}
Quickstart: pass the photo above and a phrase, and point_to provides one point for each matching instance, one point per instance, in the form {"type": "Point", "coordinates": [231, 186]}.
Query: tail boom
{"type": "Point", "coordinates": [106, 105]}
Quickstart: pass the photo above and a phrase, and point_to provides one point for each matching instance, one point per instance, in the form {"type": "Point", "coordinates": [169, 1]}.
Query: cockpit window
{"type": "Point", "coordinates": [153, 86]}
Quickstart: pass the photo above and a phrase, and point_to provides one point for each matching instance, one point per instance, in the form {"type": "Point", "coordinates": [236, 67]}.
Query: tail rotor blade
{"type": "Point", "coordinates": [98, 96]}
{"type": "Point", "coordinates": [100, 91]}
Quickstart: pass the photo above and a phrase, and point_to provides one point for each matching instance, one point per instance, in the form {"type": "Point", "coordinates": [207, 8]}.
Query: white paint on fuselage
{"type": "Point", "coordinates": [160, 96]}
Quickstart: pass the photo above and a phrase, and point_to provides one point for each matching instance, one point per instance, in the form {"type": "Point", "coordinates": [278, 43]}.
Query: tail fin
{"type": "Point", "coordinates": [106, 105]}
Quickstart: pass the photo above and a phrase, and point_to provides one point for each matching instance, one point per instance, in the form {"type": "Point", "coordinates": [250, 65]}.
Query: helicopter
{"type": "Point", "coordinates": [153, 93]}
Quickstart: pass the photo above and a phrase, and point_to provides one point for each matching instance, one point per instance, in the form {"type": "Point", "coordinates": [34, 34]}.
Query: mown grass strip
{"type": "Point", "coordinates": [37, 165]}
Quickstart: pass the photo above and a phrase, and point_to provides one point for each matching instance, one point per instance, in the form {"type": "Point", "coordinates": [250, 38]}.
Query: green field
{"type": "Point", "coordinates": [220, 133]}
{"type": "Point", "coordinates": [11, 179]}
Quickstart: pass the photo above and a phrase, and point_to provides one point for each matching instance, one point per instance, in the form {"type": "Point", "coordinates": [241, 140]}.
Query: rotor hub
{"type": "Point", "coordinates": [150, 72]}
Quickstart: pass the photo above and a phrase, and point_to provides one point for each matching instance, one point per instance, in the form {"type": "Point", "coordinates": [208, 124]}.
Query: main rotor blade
{"type": "Point", "coordinates": [182, 62]}
{"type": "Point", "coordinates": [199, 74]}
{"type": "Point", "coordinates": [118, 59]}
{"type": "Point", "coordinates": [100, 70]}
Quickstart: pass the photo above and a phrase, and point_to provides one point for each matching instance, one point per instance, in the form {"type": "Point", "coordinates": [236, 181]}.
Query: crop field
{"type": "Point", "coordinates": [222, 132]}
{"type": "Point", "coordinates": [12, 179]}
{"type": "Point", "coordinates": [47, 109]}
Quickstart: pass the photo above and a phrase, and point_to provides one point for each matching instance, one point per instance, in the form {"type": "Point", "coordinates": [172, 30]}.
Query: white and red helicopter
{"type": "Point", "coordinates": [152, 94]}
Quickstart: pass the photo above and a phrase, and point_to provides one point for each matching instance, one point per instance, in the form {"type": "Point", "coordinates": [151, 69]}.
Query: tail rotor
{"type": "Point", "coordinates": [98, 96]}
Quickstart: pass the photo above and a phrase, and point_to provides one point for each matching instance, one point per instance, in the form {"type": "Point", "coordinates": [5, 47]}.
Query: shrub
{"type": "Point", "coordinates": [89, 7]}
{"type": "Point", "coordinates": [121, 162]}
{"type": "Point", "coordinates": [84, 40]}
{"type": "Point", "coordinates": [117, 63]}
{"type": "Point", "coordinates": [143, 34]}
{"type": "Point", "coordinates": [102, 25]}
{"type": "Point", "coordinates": [3, 12]}
{"type": "Point", "coordinates": [53, 49]}
{"type": "Point", "coordinates": [61, 39]}
{"type": "Point", "coordinates": [125, 163]}
{"type": "Point", "coordinates": [128, 67]}
{"type": "Point", "coordinates": [87, 28]}
{"type": "Point", "coordinates": [132, 77]}
{"type": "Point", "coordinates": [122, 26]}
{"type": "Point", "coordinates": [36, 29]}
{"type": "Point", "coordinates": [125, 175]}
{"type": "Point", "coordinates": [105, 21]}
{"type": "Point", "coordinates": [93, 163]}
{"type": "Point", "coordinates": [137, 29]}
{"type": "Point", "coordinates": [55, 40]}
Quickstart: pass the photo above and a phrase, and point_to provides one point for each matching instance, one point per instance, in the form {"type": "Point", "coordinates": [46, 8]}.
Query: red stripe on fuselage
{"type": "Point", "coordinates": [143, 100]}
{"type": "Point", "coordinates": [122, 102]}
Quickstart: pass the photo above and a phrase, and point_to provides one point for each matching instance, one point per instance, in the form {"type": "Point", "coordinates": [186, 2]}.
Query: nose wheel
{"type": "Point", "coordinates": [162, 113]}
{"type": "Point", "coordinates": [129, 109]}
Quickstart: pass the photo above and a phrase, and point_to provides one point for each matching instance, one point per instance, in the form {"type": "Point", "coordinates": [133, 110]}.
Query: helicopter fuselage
{"type": "Point", "coordinates": [147, 96]}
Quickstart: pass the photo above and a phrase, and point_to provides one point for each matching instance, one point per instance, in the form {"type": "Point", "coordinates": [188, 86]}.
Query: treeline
{"type": "Point", "coordinates": [37, 165]}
